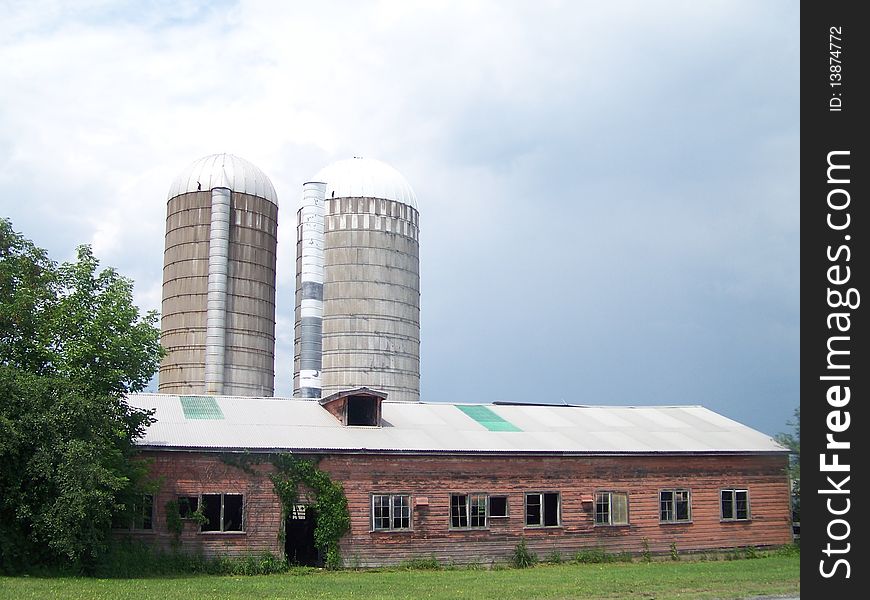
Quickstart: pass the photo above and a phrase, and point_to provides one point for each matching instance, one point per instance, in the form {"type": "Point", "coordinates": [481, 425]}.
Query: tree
{"type": "Point", "coordinates": [792, 441]}
{"type": "Point", "coordinates": [72, 345]}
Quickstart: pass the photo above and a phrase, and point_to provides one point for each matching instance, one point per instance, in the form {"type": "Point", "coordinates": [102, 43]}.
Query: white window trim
{"type": "Point", "coordinates": [392, 507]}
{"type": "Point", "coordinates": [541, 496]}
{"type": "Point", "coordinates": [676, 521]}
{"type": "Point", "coordinates": [735, 518]}
{"type": "Point", "coordinates": [468, 496]}
{"type": "Point", "coordinates": [610, 522]}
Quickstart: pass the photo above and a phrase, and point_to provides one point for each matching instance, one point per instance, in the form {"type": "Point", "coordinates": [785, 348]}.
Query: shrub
{"type": "Point", "coordinates": [523, 557]}
{"type": "Point", "coordinates": [675, 555]}
{"type": "Point", "coordinates": [554, 556]}
{"type": "Point", "coordinates": [645, 554]}
{"type": "Point", "coordinates": [591, 555]}
{"type": "Point", "coordinates": [132, 559]}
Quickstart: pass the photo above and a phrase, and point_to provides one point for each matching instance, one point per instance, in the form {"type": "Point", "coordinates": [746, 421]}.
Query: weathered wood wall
{"type": "Point", "coordinates": [436, 477]}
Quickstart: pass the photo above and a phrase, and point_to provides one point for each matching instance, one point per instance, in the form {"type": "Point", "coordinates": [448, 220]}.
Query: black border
{"type": "Point", "coordinates": [823, 131]}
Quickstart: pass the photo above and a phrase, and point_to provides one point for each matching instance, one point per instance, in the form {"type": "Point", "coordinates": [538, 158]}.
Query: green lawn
{"type": "Point", "coordinates": [618, 581]}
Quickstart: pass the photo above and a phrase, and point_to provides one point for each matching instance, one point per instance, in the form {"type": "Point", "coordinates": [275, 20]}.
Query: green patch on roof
{"type": "Point", "coordinates": [200, 407]}
{"type": "Point", "coordinates": [487, 418]}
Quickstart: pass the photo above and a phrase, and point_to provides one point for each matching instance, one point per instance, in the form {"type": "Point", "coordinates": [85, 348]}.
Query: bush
{"type": "Point", "coordinates": [675, 555]}
{"type": "Point", "coordinates": [130, 559]}
{"type": "Point", "coordinates": [591, 555]}
{"type": "Point", "coordinates": [789, 550]}
{"type": "Point", "coordinates": [523, 557]}
{"type": "Point", "coordinates": [645, 553]}
{"type": "Point", "coordinates": [554, 557]}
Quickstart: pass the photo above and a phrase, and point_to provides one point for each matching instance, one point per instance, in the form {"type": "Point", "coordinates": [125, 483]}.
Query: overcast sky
{"type": "Point", "coordinates": [608, 191]}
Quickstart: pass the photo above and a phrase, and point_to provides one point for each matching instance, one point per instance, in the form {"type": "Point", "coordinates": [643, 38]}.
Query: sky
{"type": "Point", "coordinates": [608, 191]}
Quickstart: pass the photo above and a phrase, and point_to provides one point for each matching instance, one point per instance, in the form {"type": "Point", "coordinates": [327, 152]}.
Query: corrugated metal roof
{"type": "Point", "coordinates": [303, 425]}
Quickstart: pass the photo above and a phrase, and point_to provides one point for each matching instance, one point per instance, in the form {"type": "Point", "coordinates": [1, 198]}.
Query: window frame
{"type": "Point", "coordinates": [674, 520]}
{"type": "Point", "coordinates": [468, 514]}
{"type": "Point", "coordinates": [734, 519]}
{"type": "Point", "coordinates": [609, 523]}
{"type": "Point", "coordinates": [391, 504]}
{"type": "Point", "coordinates": [507, 507]}
{"type": "Point", "coordinates": [222, 524]}
{"type": "Point", "coordinates": [541, 523]}
{"type": "Point", "coordinates": [140, 522]}
{"type": "Point", "coordinates": [184, 501]}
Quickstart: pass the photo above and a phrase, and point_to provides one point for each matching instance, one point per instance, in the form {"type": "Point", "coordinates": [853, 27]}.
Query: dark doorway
{"type": "Point", "coordinates": [299, 540]}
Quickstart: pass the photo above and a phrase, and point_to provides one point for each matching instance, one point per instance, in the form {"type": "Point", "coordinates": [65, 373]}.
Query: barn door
{"type": "Point", "coordinates": [299, 540]}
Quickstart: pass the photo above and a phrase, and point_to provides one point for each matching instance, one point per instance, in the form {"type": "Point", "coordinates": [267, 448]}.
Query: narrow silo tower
{"type": "Point", "coordinates": [361, 216]}
{"type": "Point", "coordinates": [218, 323]}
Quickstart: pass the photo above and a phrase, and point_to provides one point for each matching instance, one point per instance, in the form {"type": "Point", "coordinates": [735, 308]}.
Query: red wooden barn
{"type": "Point", "coordinates": [462, 482]}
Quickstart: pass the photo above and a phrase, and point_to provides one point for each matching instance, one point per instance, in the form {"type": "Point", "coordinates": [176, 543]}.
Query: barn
{"type": "Point", "coordinates": [463, 482]}
{"type": "Point", "coordinates": [457, 480]}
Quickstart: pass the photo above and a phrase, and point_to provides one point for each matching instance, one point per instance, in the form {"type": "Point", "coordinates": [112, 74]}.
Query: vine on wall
{"type": "Point", "coordinates": [330, 504]}
{"type": "Point", "coordinates": [333, 517]}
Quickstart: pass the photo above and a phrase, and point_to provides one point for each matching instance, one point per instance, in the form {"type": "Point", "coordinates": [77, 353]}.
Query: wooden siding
{"type": "Point", "coordinates": [436, 477]}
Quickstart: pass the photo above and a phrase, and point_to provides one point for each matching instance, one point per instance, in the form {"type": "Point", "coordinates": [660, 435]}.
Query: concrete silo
{"type": "Point", "coordinates": [359, 325]}
{"type": "Point", "coordinates": [218, 312]}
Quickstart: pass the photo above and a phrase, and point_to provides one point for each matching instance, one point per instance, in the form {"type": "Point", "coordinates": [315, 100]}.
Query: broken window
{"type": "Point", "coordinates": [391, 512]}
{"type": "Point", "coordinates": [498, 506]}
{"type": "Point", "coordinates": [223, 512]}
{"type": "Point", "coordinates": [611, 508]}
{"type": "Point", "coordinates": [187, 505]}
{"type": "Point", "coordinates": [735, 505]}
{"type": "Point", "coordinates": [675, 506]}
{"type": "Point", "coordinates": [542, 509]}
{"type": "Point", "coordinates": [468, 510]}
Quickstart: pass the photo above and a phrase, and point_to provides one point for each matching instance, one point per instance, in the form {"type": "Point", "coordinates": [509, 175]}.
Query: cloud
{"type": "Point", "coordinates": [608, 193]}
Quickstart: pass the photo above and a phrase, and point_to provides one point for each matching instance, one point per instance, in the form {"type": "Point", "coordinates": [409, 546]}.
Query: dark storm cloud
{"type": "Point", "coordinates": [608, 194]}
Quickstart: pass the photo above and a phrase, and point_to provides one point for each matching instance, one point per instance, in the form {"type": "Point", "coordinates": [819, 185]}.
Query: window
{"type": "Point", "coordinates": [468, 510]}
{"type": "Point", "coordinates": [363, 410]}
{"type": "Point", "coordinates": [145, 516]}
{"type": "Point", "coordinates": [391, 512]}
{"type": "Point", "coordinates": [675, 506]}
{"type": "Point", "coordinates": [498, 507]}
{"type": "Point", "coordinates": [542, 509]}
{"type": "Point", "coordinates": [735, 505]}
{"type": "Point", "coordinates": [187, 505]}
{"type": "Point", "coordinates": [223, 511]}
{"type": "Point", "coordinates": [611, 508]}
{"type": "Point", "coordinates": [141, 515]}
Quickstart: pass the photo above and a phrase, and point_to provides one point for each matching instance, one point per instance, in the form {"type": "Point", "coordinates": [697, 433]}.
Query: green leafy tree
{"type": "Point", "coordinates": [792, 441]}
{"type": "Point", "coordinates": [72, 344]}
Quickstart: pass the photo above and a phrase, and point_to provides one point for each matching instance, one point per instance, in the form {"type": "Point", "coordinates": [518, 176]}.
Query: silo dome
{"type": "Point", "coordinates": [357, 283]}
{"type": "Point", "coordinates": [224, 171]}
{"type": "Point", "coordinates": [366, 178]}
{"type": "Point", "coordinates": [218, 309]}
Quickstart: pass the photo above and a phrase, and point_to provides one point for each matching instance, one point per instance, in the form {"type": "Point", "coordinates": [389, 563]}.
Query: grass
{"type": "Point", "coordinates": [659, 580]}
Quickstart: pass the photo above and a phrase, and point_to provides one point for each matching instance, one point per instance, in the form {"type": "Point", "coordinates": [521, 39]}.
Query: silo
{"type": "Point", "coordinates": [218, 311]}
{"type": "Point", "coordinates": [370, 282]}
